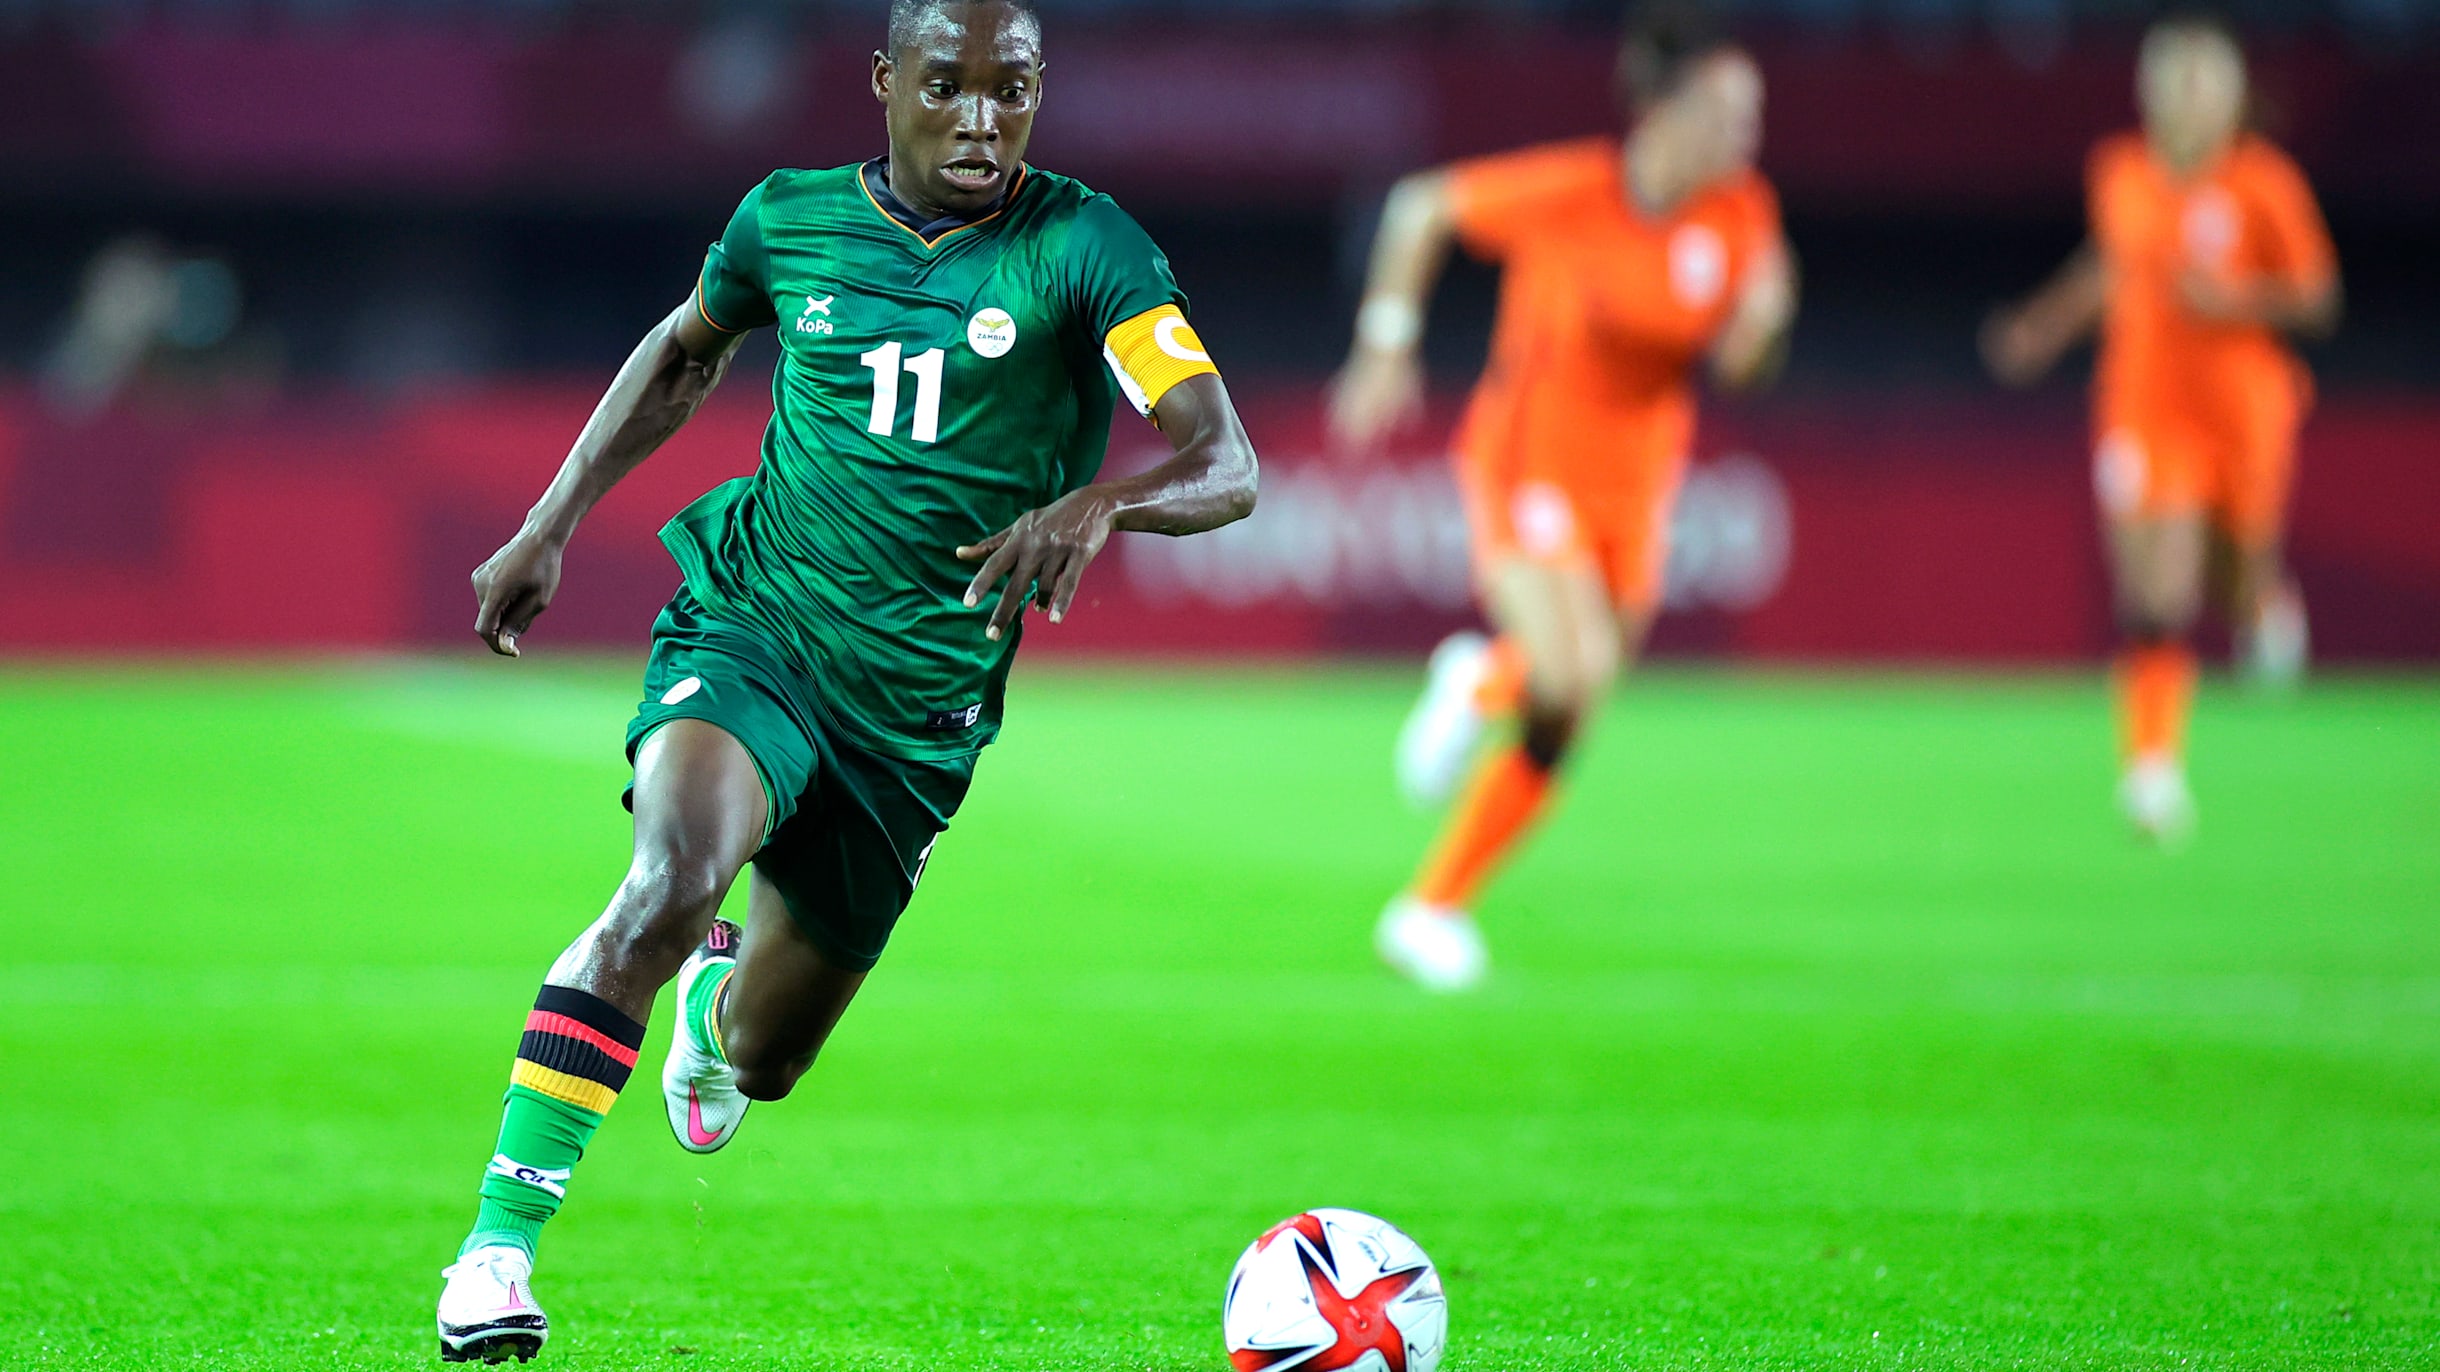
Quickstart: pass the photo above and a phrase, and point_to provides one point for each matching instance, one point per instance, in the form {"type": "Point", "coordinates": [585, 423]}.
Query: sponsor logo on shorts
{"type": "Point", "coordinates": [992, 332]}
{"type": "Point", "coordinates": [678, 694]}
{"type": "Point", "coordinates": [551, 1179]}
{"type": "Point", "coordinates": [944, 720]}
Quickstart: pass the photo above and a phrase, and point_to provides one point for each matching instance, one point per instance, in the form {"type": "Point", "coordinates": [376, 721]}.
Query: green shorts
{"type": "Point", "coordinates": [849, 829]}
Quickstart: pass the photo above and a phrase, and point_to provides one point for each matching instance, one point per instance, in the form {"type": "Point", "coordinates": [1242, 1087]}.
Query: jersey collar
{"type": "Point", "coordinates": [874, 177]}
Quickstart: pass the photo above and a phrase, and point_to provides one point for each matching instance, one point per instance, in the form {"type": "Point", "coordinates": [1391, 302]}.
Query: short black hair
{"type": "Point", "coordinates": [907, 15]}
{"type": "Point", "coordinates": [1660, 43]}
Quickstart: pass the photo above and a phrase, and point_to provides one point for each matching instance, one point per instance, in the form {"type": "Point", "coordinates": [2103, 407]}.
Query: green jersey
{"type": "Point", "coordinates": [927, 394]}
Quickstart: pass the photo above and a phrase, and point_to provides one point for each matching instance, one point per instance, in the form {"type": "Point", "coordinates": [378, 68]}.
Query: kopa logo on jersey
{"type": "Point", "coordinates": [992, 332]}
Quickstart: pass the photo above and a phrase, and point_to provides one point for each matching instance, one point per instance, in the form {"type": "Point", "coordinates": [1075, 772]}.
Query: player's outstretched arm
{"type": "Point", "coordinates": [2297, 291]}
{"type": "Point", "coordinates": [2023, 342]}
{"type": "Point", "coordinates": [662, 384]}
{"type": "Point", "coordinates": [1381, 385]}
{"type": "Point", "coordinates": [1208, 481]}
{"type": "Point", "coordinates": [1754, 342]}
{"type": "Point", "coordinates": [2309, 309]}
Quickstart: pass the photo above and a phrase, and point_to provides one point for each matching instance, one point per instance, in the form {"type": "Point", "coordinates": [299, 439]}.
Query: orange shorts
{"type": "Point", "coordinates": [1620, 536]}
{"type": "Point", "coordinates": [2237, 472]}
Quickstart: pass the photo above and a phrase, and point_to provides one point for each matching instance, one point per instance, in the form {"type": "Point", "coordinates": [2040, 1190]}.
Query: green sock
{"type": "Point", "coordinates": [576, 1054]}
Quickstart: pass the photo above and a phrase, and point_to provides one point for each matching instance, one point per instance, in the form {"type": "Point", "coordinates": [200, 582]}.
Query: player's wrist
{"type": "Point", "coordinates": [548, 529]}
{"type": "Point", "coordinates": [1386, 359]}
{"type": "Point", "coordinates": [1104, 506]}
{"type": "Point", "coordinates": [1389, 326]}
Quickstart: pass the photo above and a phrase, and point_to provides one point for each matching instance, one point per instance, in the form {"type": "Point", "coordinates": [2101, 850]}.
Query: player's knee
{"type": "Point", "coordinates": [2260, 576]}
{"type": "Point", "coordinates": [2154, 619]}
{"type": "Point", "coordinates": [766, 1083]}
{"type": "Point", "coordinates": [2166, 608]}
{"type": "Point", "coordinates": [1600, 670]}
{"type": "Point", "coordinates": [668, 902]}
{"type": "Point", "coordinates": [1562, 703]}
{"type": "Point", "coordinates": [1564, 687]}
{"type": "Point", "coordinates": [1598, 653]}
{"type": "Point", "coordinates": [763, 1075]}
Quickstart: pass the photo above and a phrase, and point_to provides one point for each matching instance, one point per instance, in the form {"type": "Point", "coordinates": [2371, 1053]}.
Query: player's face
{"type": "Point", "coordinates": [1719, 115]}
{"type": "Point", "coordinates": [2191, 85]}
{"type": "Point", "coordinates": [961, 98]}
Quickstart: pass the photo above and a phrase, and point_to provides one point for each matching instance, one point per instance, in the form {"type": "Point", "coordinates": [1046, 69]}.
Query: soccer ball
{"type": "Point", "coordinates": [1335, 1289]}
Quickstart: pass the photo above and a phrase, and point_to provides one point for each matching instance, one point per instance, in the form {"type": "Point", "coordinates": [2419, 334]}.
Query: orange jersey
{"type": "Point", "coordinates": [2247, 218]}
{"type": "Point", "coordinates": [2189, 413]}
{"type": "Point", "coordinates": [1573, 446]}
{"type": "Point", "coordinates": [1604, 310]}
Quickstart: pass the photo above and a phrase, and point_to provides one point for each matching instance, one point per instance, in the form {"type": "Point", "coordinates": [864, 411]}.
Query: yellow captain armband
{"type": "Point", "coordinates": [1153, 352]}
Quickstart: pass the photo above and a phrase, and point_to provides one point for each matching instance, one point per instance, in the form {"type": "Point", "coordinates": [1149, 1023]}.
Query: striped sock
{"type": "Point", "coordinates": [576, 1054]}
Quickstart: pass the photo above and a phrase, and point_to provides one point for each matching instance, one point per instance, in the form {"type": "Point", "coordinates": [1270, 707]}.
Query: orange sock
{"type": "Point", "coordinates": [2156, 693]}
{"type": "Point", "coordinates": [1502, 803]}
{"type": "Point", "coordinates": [1503, 686]}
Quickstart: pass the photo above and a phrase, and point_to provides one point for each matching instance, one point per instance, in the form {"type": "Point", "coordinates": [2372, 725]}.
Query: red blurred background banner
{"type": "Point", "coordinates": [621, 113]}
{"type": "Point", "coordinates": [1908, 528]}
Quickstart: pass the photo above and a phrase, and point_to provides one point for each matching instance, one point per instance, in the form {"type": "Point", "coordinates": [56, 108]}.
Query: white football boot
{"type": "Point", "coordinates": [487, 1310]}
{"type": "Point", "coordinates": [697, 1083]}
{"type": "Point", "coordinates": [1433, 946]}
{"type": "Point", "coordinates": [2154, 796]}
{"type": "Point", "coordinates": [1440, 732]}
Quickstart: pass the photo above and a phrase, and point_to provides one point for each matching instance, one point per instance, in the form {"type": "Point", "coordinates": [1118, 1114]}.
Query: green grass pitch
{"type": "Point", "coordinates": [1835, 1024]}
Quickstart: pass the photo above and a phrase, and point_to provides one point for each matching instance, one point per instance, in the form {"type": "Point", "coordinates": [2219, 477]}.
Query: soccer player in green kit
{"type": "Point", "coordinates": [956, 328]}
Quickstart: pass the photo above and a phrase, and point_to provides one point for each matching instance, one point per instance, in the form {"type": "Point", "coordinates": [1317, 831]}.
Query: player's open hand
{"type": "Point", "coordinates": [512, 588]}
{"type": "Point", "coordinates": [2013, 349]}
{"type": "Point", "coordinates": [1374, 395]}
{"type": "Point", "coordinates": [1043, 555]}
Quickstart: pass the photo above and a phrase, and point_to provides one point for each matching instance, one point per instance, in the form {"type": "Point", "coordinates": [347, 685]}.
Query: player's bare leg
{"type": "Point", "coordinates": [699, 815]}
{"type": "Point", "coordinates": [1634, 628]}
{"type": "Point", "coordinates": [2266, 613]}
{"type": "Point", "coordinates": [2158, 567]}
{"type": "Point", "coordinates": [754, 1008]}
{"type": "Point", "coordinates": [1560, 618]}
{"type": "Point", "coordinates": [785, 1001]}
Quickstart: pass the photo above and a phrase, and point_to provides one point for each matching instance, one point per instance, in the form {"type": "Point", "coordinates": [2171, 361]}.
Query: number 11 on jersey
{"type": "Point", "coordinates": [886, 362]}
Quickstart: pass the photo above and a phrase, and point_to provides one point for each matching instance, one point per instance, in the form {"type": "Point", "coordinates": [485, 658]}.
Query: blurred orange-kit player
{"type": "Point", "coordinates": [1625, 266]}
{"type": "Point", "coordinates": [2206, 252]}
